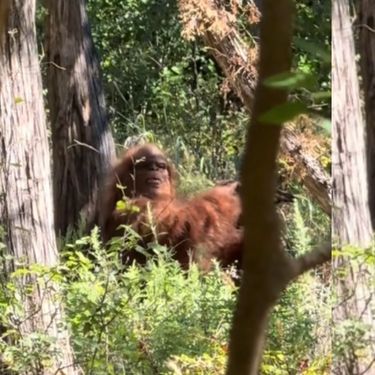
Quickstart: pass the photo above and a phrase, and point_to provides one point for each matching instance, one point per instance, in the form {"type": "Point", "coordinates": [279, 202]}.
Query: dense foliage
{"type": "Point", "coordinates": [166, 88]}
{"type": "Point", "coordinates": [352, 335]}
{"type": "Point", "coordinates": [160, 84]}
{"type": "Point", "coordinates": [161, 319]}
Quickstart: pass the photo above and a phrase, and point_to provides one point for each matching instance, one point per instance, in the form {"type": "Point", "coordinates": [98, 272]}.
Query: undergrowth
{"type": "Point", "coordinates": [159, 319]}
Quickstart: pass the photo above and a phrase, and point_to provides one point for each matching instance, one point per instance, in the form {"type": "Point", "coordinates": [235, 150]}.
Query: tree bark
{"type": "Point", "coordinates": [26, 211]}
{"type": "Point", "coordinates": [366, 25]}
{"type": "Point", "coordinates": [351, 215]}
{"type": "Point", "coordinates": [351, 219]}
{"type": "Point", "coordinates": [83, 146]}
{"type": "Point", "coordinates": [238, 63]}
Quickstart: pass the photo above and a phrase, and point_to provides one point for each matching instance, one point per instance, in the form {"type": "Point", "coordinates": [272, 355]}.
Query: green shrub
{"type": "Point", "coordinates": [159, 318]}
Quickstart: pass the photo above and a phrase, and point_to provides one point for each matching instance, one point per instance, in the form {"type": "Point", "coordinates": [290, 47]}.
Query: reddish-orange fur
{"type": "Point", "coordinates": [202, 228]}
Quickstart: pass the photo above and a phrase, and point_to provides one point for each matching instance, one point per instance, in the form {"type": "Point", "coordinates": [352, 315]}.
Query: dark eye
{"type": "Point", "coordinates": [142, 165]}
{"type": "Point", "coordinates": [161, 165]}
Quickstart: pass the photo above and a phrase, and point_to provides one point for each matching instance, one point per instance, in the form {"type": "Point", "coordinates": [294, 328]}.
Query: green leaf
{"type": "Point", "coordinates": [121, 205]}
{"type": "Point", "coordinates": [283, 113]}
{"type": "Point", "coordinates": [126, 206]}
{"type": "Point", "coordinates": [291, 80]}
{"type": "Point", "coordinates": [176, 69]}
{"type": "Point", "coordinates": [325, 124]}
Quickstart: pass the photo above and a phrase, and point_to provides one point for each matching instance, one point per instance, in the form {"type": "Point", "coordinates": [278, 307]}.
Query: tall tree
{"type": "Point", "coordinates": [351, 219]}
{"type": "Point", "coordinates": [82, 142]}
{"type": "Point", "coordinates": [366, 25]}
{"type": "Point", "coordinates": [25, 176]}
{"type": "Point", "coordinates": [351, 216]}
{"type": "Point", "coordinates": [267, 267]}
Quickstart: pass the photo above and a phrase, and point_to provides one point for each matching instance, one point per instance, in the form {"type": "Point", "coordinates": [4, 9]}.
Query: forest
{"type": "Point", "coordinates": [186, 187]}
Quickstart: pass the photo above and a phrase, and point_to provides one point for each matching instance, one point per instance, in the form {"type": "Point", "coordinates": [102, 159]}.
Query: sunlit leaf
{"type": "Point", "coordinates": [121, 205]}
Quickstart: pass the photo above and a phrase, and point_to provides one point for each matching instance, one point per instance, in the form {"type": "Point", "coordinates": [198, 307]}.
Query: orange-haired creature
{"type": "Point", "coordinates": [197, 229]}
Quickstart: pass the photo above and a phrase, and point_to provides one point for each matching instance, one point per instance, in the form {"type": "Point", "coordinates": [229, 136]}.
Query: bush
{"type": "Point", "coordinates": [159, 318]}
{"type": "Point", "coordinates": [145, 319]}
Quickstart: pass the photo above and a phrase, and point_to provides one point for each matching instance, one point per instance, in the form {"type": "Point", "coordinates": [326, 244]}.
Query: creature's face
{"type": "Point", "coordinates": [151, 174]}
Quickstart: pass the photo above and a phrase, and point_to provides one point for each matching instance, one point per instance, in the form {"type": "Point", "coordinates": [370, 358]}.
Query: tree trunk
{"type": "Point", "coordinates": [367, 53]}
{"type": "Point", "coordinates": [26, 211]}
{"type": "Point", "coordinates": [351, 219]}
{"type": "Point", "coordinates": [366, 19]}
{"type": "Point", "coordinates": [351, 216]}
{"type": "Point", "coordinates": [238, 63]}
{"type": "Point", "coordinates": [267, 267]}
{"type": "Point", "coordinates": [83, 147]}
